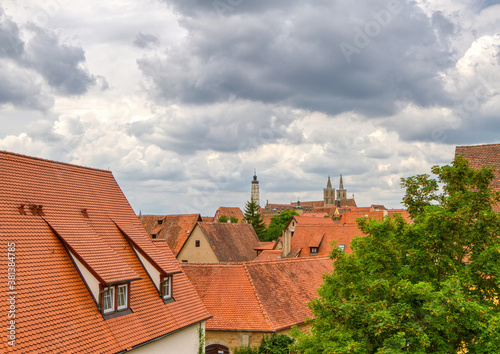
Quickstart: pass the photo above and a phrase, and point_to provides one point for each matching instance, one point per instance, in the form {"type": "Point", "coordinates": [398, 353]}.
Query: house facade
{"type": "Point", "coordinates": [85, 277]}
{"type": "Point", "coordinates": [219, 242]}
{"type": "Point", "coordinates": [255, 299]}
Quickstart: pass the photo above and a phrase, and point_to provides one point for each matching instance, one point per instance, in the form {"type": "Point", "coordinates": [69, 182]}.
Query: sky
{"type": "Point", "coordinates": [183, 99]}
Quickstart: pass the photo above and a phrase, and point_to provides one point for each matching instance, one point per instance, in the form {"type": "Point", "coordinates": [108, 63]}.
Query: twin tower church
{"type": "Point", "coordinates": [331, 198]}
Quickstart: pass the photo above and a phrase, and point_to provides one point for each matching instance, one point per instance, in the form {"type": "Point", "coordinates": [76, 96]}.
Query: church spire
{"type": "Point", "coordinates": [341, 186]}
{"type": "Point", "coordinates": [329, 183]}
{"type": "Point", "coordinates": [254, 196]}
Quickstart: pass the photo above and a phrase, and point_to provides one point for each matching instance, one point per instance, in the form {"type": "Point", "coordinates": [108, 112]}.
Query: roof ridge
{"type": "Point", "coordinates": [492, 144]}
{"type": "Point", "coordinates": [51, 161]}
{"type": "Point", "coordinates": [264, 312]}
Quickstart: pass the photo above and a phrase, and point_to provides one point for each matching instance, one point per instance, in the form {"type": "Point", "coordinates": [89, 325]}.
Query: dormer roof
{"type": "Point", "coordinates": [67, 220]}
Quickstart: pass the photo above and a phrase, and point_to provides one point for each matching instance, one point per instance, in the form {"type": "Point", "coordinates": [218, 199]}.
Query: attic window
{"type": "Point", "coordinates": [160, 222]}
{"type": "Point", "coordinates": [342, 247]}
{"type": "Point", "coordinates": [109, 300]}
{"type": "Point", "coordinates": [115, 300]}
{"type": "Point", "coordinates": [197, 243]}
{"type": "Point", "coordinates": [166, 289]}
{"type": "Point", "coordinates": [153, 235]}
{"type": "Point", "coordinates": [314, 250]}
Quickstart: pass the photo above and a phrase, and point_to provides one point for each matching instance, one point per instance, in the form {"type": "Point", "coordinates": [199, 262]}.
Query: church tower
{"type": "Point", "coordinates": [255, 189]}
{"type": "Point", "coordinates": [329, 194]}
{"type": "Point", "coordinates": [341, 192]}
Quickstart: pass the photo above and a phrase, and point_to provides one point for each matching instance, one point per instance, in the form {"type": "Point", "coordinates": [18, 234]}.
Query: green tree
{"type": "Point", "coordinates": [431, 286]}
{"type": "Point", "coordinates": [278, 224]}
{"type": "Point", "coordinates": [223, 219]}
{"type": "Point", "coordinates": [276, 344]}
{"type": "Point", "coordinates": [253, 217]}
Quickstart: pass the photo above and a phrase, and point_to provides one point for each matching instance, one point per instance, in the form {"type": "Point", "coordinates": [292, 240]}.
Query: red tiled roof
{"type": "Point", "coordinates": [266, 245]}
{"type": "Point", "coordinates": [269, 255]}
{"type": "Point", "coordinates": [174, 229]}
{"type": "Point", "coordinates": [258, 296]}
{"type": "Point", "coordinates": [347, 203]}
{"type": "Point", "coordinates": [483, 155]}
{"type": "Point", "coordinates": [350, 217]}
{"type": "Point", "coordinates": [229, 211]}
{"type": "Point", "coordinates": [267, 219]}
{"type": "Point", "coordinates": [231, 242]}
{"type": "Point", "coordinates": [312, 220]}
{"type": "Point", "coordinates": [56, 310]}
{"type": "Point", "coordinates": [306, 236]}
{"type": "Point", "coordinates": [404, 213]}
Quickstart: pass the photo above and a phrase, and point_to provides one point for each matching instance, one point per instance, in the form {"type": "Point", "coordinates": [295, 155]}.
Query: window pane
{"type": "Point", "coordinates": [109, 299]}
{"type": "Point", "coordinates": [167, 288]}
{"type": "Point", "coordinates": [122, 297]}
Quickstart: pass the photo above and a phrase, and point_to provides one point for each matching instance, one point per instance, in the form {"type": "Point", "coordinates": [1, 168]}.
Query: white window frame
{"type": "Point", "coordinates": [342, 247]}
{"type": "Point", "coordinates": [111, 293]}
{"type": "Point", "coordinates": [125, 297]}
{"type": "Point", "coordinates": [166, 287]}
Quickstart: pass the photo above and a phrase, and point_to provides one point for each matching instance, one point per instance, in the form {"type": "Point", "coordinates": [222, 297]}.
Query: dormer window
{"type": "Point", "coordinates": [342, 247]}
{"type": "Point", "coordinates": [115, 300]}
{"type": "Point", "coordinates": [153, 236]}
{"type": "Point", "coordinates": [314, 250]}
{"type": "Point", "coordinates": [166, 289]}
{"type": "Point", "coordinates": [109, 300]}
{"type": "Point", "coordinates": [160, 222]}
{"type": "Point", "coordinates": [122, 298]}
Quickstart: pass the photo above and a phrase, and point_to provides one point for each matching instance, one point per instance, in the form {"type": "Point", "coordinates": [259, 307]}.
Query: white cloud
{"type": "Point", "coordinates": [182, 102]}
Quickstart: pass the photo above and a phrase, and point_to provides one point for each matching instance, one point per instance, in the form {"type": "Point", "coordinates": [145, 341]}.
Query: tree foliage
{"type": "Point", "coordinates": [431, 286]}
{"type": "Point", "coordinates": [223, 219]}
{"type": "Point", "coordinates": [278, 224]}
{"type": "Point", "coordinates": [253, 217]}
{"type": "Point", "coordinates": [276, 344]}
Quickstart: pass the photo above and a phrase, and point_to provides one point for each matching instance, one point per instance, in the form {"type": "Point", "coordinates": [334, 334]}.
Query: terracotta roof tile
{"type": "Point", "coordinates": [229, 211]}
{"type": "Point", "coordinates": [313, 220]}
{"type": "Point", "coordinates": [231, 242]}
{"type": "Point", "coordinates": [350, 217]}
{"type": "Point", "coordinates": [57, 312]}
{"type": "Point", "coordinates": [269, 255]}
{"type": "Point", "coordinates": [258, 296]}
{"type": "Point", "coordinates": [175, 229]}
{"type": "Point", "coordinates": [483, 155]}
{"type": "Point", "coordinates": [307, 235]}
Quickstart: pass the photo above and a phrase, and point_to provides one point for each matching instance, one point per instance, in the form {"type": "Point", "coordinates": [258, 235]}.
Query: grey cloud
{"type": "Point", "coordinates": [299, 58]}
{"type": "Point", "coordinates": [11, 45]}
{"type": "Point", "coordinates": [20, 88]}
{"type": "Point", "coordinates": [144, 40]}
{"type": "Point", "coordinates": [235, 126]}
{"type": "Point", "coordinates": [60, 64]}
{"type": "Point", "coordinates": [23, 64]}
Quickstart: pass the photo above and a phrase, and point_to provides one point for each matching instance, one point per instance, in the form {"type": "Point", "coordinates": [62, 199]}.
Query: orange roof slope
{"type": "Point", "coordinates": [48, 209]}
{"type": "Point", "coordinates": [349, 217]}
{"type": "Point", "coordinates": [258, 296]}
{"type": "Point", "coordinates": [229, 211]}
{"type": "Point", "coordinates": [313, 220]}
{"type": "Point", "coordinates": [174, 229]}
{"type": "Point", "coordinates": [231, 242]}
{"type": "Point", "coordinates": [483, 155]}
{"type": "Point", "coordinates": [306, 236]}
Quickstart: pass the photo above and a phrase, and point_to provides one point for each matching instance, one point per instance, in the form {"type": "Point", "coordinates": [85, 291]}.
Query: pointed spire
{"type": "Point", "coordinates": [329, 183]}
{"type": "Point", "coordinates": [341, 186]}
{"type": "Point", "coordinates": [255, 175]}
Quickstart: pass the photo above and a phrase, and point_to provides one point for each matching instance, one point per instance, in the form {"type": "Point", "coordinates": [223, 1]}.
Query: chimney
{"type": "Point", "coordinates": [287, 242]}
